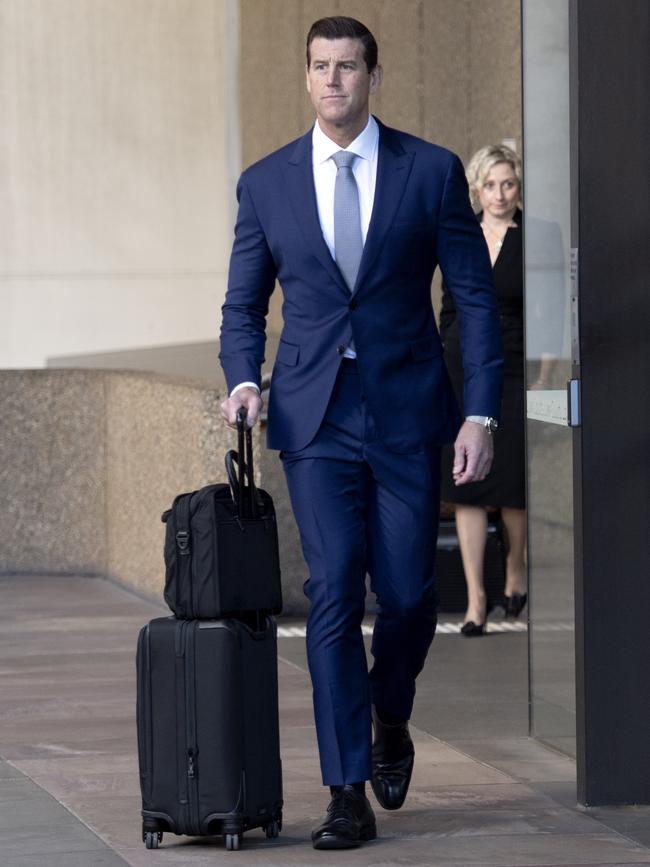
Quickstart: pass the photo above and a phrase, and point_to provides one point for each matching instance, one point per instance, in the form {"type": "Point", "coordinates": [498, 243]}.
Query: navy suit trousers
{"type": "Point", "coordinates": [363, 510]}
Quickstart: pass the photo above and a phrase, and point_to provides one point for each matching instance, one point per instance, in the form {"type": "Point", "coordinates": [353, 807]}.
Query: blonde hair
{"type": "Point", "coordinates": [482, 163]}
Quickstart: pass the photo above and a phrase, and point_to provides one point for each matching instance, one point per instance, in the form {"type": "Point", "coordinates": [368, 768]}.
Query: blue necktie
{"type": "Point", "coordinates": [348, 242]}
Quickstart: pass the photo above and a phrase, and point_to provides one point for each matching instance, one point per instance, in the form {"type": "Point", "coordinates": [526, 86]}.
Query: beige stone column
{"type": "Point", "coordinates": [119, 150]}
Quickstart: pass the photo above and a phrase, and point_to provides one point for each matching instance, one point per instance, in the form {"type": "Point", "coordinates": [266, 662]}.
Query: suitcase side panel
{"type": "Point", "coordinates": [263, 768]}
{"type": "Point", "coordinates": [244, 760]}
{"type": "Point", "coordinates": [143, 714]}
{"type": "Point", "coordinates": [219, 724]}
{"type": "Point", "coordinates": [157, 691]}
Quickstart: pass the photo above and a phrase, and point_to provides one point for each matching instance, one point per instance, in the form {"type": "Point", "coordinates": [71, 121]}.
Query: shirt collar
{"type": "Point", "coordinates": [364, 145]}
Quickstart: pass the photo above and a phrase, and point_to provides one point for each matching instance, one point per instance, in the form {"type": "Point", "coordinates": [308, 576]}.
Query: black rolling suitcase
{"type": "Point", "coordinates": [221, 545]}
{"type": "Point", "coordinates": [208, 734]}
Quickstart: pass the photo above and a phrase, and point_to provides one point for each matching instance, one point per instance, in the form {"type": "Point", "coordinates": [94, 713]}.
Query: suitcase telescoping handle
{"type": "Point", "coordinates": [244, 495]}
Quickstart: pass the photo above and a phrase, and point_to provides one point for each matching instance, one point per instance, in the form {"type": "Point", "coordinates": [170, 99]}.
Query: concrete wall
{"type": "Point", "coordinates": [119, 151]}
{"type": "Point", "coordinates": [120, 143]}
{"type": "Point", "coordinates": [88, 462]}
{"type": "Point", "coordinates": [452, 72]}
{"type": "Point", "coordinates": [90, 459]}
{"type": "Point", "coordinates": [52, 472]}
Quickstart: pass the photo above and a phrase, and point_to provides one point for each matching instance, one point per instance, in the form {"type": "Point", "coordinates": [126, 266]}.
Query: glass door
{"type": "Point", "coordinates": [548, 304]}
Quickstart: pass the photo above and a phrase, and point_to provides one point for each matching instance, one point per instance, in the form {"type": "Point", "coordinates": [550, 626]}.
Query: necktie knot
{"type": "Point", "coordinates": [344, 159]}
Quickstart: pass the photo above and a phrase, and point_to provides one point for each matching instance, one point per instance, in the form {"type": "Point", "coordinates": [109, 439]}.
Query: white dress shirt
{"type": "Point", "coordinates": [364, 169]}
{"type": "Point", "coordinates": [366, 147]}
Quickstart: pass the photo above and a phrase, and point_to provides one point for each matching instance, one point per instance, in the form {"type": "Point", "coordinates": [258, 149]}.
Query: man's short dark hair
{"type": "Point", "coordinates": [341, 27]}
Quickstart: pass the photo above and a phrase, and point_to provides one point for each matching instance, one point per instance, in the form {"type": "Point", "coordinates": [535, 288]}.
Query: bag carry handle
{"type": "Point", "coordinates": [233, 481]}
{"type": "Point", "coordinates": [232, 469]}
{"type": "Point", "coordinates": [248, 493]}
{"type": "Point", "coordinates": [244, 495]}
{"type": "Point", "coordinates": [244, 501]}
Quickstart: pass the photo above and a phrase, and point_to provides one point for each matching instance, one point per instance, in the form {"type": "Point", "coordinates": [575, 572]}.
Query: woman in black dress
{"type": "Point", "coordinates": [494, 177]}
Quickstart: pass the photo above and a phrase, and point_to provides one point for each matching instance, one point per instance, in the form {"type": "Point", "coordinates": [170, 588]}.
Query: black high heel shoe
{"type": "Point", "coordinates": [472, 630]}
{"type": "Point", "coordinates": [515, 604]}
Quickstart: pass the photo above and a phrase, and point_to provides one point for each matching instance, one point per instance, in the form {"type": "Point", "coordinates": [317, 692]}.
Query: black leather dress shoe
{"type": "Point", "coordinates": [393, 755]}
{"type": "Point", "coordinates": [348, 823]}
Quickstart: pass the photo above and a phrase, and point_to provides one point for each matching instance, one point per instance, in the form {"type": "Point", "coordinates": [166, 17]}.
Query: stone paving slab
{"type": "Point", "coordinates": [35, 829]}
{"type": "Point", "coordinates": [68, 724]}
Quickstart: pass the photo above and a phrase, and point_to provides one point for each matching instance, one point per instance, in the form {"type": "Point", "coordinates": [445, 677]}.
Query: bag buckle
{"type": "Point", "coordinates": [183, 541]}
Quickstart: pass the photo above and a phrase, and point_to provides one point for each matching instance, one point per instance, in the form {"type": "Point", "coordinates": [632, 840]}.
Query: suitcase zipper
{"type": "Point", "coordinates": [190, 732]}
{"type": "Point", "coordinates": [190, 764]}
{"type": "Point", "coordinates": [181, 726]}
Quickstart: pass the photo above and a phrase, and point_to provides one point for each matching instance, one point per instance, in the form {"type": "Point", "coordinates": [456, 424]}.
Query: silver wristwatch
{"type": "Point", "coordinates": [490, 424]}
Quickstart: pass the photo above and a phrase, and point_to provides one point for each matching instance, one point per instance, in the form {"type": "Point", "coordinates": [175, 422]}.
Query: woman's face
{"type": "Point", "coordinates": [499, 194]}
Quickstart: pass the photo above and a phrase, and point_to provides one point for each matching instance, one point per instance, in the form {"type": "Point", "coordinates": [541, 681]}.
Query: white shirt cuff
{"type": "Point", "coordinates": [245, 385]}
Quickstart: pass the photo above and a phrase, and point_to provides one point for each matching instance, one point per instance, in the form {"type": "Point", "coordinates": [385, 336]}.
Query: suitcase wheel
{"type": "Point", "coordinates": [233, 842]}
{"type": "Point", "coordinates": [272, 829]}
{"type": "Point", "coordinates": [152, 839]}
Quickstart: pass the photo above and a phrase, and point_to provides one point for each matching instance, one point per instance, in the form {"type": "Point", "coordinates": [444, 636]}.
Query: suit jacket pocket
{"type": "Point", "coordinates": [288, 353]}
{"type": "Point", "coordinates": [426, 348]}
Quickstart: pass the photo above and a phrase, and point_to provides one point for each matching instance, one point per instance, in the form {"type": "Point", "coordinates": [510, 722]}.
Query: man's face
{"type": "Point", "coordinates": [339, 83]}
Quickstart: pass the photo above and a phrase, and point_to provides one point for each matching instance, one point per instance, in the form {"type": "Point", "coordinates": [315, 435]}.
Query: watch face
{"type": "Point", "coordinates": [491, 424]}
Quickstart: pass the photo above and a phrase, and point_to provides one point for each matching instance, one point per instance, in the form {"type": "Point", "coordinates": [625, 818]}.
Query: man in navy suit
{"type": "Point", "coordinates": [352, 220]}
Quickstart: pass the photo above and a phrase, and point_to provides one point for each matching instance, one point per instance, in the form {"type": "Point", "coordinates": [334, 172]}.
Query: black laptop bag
{"type": "Point", "coordinates": [221, 545]}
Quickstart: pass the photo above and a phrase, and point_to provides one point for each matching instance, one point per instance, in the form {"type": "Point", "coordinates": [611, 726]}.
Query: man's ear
{"type": "Point", "coordinates": [307, 79]}
{"type": "Point", "coordinates": [376, 77]}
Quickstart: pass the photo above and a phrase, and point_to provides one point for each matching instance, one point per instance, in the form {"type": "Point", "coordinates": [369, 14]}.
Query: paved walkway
{"type": "Point", "coordinates": [69, 780]}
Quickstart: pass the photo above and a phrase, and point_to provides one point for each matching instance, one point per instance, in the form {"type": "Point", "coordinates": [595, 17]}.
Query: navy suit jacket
{"type": "Point", "coordinates": [421, 218]}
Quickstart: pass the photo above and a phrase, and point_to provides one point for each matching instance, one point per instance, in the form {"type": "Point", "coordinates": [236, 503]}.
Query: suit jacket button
{"type": "Point", "coordinates": [352, 305]}
{"type": "Point", "coordinates": [340, 349]}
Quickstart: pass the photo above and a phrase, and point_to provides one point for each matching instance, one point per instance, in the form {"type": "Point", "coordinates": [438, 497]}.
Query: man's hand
{"type": "Point", "coordinates": [248, 397]}
{"type": "Point", "coordinates": [473, 452]}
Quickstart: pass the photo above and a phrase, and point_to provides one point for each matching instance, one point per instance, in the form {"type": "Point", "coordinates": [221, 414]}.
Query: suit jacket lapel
{"type": "Point", "coordinates": [393, 169]}
{"type": "Point", "coordinates": [299, 177]}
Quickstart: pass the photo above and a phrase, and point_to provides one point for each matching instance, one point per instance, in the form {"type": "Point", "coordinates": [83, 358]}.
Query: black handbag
{"type": "Point", "coordinates": [221, 544]}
